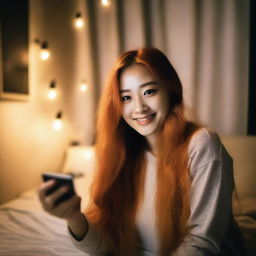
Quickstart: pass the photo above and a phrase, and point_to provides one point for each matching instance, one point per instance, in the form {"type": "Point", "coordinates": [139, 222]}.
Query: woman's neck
{"type": "Point", "coordinates": [151, 139]}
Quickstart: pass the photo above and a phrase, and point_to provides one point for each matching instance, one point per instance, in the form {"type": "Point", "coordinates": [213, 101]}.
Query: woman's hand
{"type": "Point", "coordinates": [68, 209]}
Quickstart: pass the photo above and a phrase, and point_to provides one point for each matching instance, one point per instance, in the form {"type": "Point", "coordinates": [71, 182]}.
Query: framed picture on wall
{"type": "Point", "coordinates": [14, 36]}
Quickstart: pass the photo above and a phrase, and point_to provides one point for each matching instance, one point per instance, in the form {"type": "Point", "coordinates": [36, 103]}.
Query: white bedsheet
{"type": "Point", "coordinates": [25, 229]}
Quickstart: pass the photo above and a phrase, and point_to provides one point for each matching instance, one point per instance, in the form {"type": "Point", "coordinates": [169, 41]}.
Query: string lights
{"type": "Point", "coordinates": [52, 92]}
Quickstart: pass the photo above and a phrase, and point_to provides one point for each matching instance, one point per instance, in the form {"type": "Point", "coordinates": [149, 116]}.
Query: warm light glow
{"type": "Point", "coordinates": [79, 22]}
{"type": "Point", "coordinates": [105, 3]}
{"type": "Point", "coordinates": [88, 153]}
{"type": "Point", "coordinates": [44, 54]}
{"type": "Point", "coordinates": [52, 94]}
{"type": "Point", "coordinates": [57, 124]}
{"type": "Point", "coordinates": [83, 87]}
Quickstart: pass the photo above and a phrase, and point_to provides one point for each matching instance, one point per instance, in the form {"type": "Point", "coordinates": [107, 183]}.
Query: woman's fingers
{"type": "Point", "coordinates": [67, 209]}
{"type": "Point", "coordinates": [44, 187]}
{"type": "Point", "coordinates": [51, 199]}
{"type": "Point", "coordinates": [48, 201]}
{"type": "Point", "coordinates": [57, 194]}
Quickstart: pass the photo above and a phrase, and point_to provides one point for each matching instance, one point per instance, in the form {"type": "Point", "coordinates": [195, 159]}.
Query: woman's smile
{"type": "Point", "coordinates": [145, 120]}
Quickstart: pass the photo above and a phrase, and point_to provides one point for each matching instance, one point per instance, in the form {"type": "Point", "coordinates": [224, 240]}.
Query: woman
{"type": "Point", "coordinates": [163, 185]}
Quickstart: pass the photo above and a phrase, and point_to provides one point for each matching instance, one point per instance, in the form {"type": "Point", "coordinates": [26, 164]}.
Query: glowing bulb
{"type": "Point", "coordinates": [57, 123]}
{"type": "Point", "coordinates": [79, 22]}
{"type": "Point", "coordinates": [88, 153]}
{"type": "Point", "coordinates": [44, 54]}
{"type": "Point", "coordinates": [105, 3]}
{"type": "Point", "coordinates": [52, 94]}
{"type": "Point", "coordinates": [83, 87]}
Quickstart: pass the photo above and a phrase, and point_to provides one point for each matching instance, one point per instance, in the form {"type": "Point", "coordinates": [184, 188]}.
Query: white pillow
{"type": "Point", "coordinates": [79, 160]}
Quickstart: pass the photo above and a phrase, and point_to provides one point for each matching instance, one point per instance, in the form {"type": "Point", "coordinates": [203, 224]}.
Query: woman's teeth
{"type": "Point", "coordinates": [145, 120]}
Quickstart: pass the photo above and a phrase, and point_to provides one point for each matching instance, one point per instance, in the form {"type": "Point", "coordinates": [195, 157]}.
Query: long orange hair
{"type": "Point", "coordinates": [118, 183]}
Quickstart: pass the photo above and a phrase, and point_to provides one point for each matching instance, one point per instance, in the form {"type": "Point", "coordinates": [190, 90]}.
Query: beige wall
{"type": "Point", "coordinates": [206, 41]}
{"type": "Point", "coordinates": [28, 144]}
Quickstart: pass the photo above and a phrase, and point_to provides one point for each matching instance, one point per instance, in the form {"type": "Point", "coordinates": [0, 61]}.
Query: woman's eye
{"type": "Point", "coordinates": [125, 98]}
{"type": "Point", "coordinates": [150, 91]}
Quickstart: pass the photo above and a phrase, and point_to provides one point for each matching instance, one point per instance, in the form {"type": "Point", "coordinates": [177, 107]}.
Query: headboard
{"type": "Point", "coordinates": [243, 151]}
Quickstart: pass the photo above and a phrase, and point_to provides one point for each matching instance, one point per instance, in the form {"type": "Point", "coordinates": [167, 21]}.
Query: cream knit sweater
{"type": "Point", "coordinates": [213, 230]}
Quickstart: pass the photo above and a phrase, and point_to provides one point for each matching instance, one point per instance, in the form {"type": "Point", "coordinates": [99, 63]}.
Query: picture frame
{"type": "Point", "coordinates": [14, 49]}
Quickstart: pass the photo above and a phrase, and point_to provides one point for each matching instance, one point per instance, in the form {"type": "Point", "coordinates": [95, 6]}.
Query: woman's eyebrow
{"type": "Point", "coordinates": [141, 86]}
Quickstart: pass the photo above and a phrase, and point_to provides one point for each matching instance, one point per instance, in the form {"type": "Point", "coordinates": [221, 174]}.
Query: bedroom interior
{"type": "Point", "coordinates": [72, 45]}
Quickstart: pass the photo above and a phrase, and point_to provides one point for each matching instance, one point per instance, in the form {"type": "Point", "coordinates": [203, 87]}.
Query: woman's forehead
{"type": "Point", "coordinates": [136, 74]}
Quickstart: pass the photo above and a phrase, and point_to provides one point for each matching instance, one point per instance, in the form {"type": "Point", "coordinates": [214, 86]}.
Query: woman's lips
{"type": "Point", "coordinates": [145, 120]}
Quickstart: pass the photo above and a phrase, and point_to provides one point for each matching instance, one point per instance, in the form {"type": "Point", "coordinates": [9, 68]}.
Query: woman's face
{"type": "Point", "coordinates": [145, 101]}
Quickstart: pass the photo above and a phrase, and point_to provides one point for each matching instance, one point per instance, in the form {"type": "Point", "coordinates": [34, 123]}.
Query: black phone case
{"type": "Point", "coordinates": [60, 181]}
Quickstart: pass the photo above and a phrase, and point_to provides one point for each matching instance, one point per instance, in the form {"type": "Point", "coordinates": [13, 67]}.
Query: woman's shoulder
{"type": "Point", "coordinates": [205, 146]}
{"type": "Point", "coordinates": [204, 138]}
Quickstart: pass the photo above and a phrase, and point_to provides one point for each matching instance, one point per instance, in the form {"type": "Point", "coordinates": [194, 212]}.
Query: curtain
{"type": "Point", "coordinates": [206, 41]}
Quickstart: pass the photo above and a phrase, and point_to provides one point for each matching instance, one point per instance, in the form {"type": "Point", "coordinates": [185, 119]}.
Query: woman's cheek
{"type": "Point", "coordinates": [126, 110]}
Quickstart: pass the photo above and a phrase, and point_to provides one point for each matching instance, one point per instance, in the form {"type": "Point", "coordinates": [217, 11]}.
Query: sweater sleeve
{"type": "Point", "coordinates": [211, 196]}
{"type": "Point", "coordinates": [95, 243]}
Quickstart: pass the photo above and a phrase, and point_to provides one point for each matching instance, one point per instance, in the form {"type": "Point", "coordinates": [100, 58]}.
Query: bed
{"type": "Point", "coordinates": [25, 229]}
{"type": "Point", "coordinates": [242, 149]}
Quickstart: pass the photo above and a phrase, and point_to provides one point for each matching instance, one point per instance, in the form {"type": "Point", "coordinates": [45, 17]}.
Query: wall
{"type": "Point", "coordinates": [28, 144]}
{"type": "Point", "coordinates": [206, 41]}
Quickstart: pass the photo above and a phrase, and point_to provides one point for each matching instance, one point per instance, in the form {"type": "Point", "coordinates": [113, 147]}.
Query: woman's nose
{"type": "Point", "coordinates": [140, 105]}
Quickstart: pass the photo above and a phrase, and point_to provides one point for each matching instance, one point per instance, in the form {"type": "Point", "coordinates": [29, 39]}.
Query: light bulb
{"type": "Point", "coordinates": [57, 123]}
{"type": "Point", "coordinates": [52, 94]}
{"type": "Point", "coordinates": [79, 21]}
{"type": "Point", "coordinates": [105, 3]}
{"type": "Point", "coordinates": [88, 153]}
{"type": "Point", "coordinates": [83, 87]}
{"type": "Point", "coordinates": [44, 54]}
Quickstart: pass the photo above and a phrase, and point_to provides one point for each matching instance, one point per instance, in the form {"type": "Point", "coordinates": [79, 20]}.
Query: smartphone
{"type": "Point", "coordinates": [60, 180]}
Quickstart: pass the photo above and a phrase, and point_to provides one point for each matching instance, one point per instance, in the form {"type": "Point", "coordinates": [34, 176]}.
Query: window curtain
{"type": "Point", "coordinates": [206, 41]}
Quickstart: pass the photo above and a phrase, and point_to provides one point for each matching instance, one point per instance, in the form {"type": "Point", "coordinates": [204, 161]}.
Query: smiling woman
{"type": "Point", "coordinates": [163, 184]}
{"type": "Point", "coordinates": [146, 101]}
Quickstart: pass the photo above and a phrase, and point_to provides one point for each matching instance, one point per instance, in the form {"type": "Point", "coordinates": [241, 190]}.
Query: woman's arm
{"type": "Point", "coordinates": [84, 235]}
{"type": "Point", "coordinates": [210, 212]}
{"type": "Point", "coordinates": [95, 242]}
{"type": "Point", "coordinates": [78, 226]}
{"type": "Point", "coordinates": [210, 197]}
